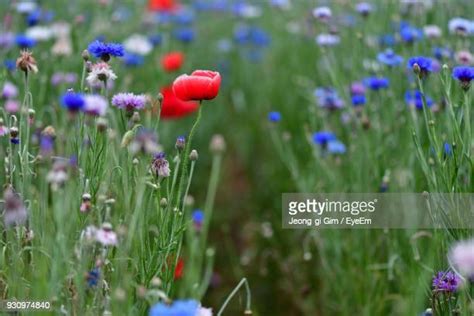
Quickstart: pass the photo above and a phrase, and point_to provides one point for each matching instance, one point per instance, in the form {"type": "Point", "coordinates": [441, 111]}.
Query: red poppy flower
{"type": "Point", "coordinates": [178, 270]}
{"type": "Point", "coordinates": [200, 85]}
{"type": "Point", "coordinates": [172, 107]}
{"type": "Point", "coordinates": [172, 61]}
{"type": "Point", "coordinates": [162, 5]}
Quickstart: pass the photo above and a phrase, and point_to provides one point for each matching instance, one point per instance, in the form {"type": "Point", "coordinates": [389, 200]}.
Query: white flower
{"type": "Point", "coordinates": [89, 233]}
{"type": "Point", "coordinates": [100, 73]}
{"type": "Point", "coordinates": [39, 33]}
{"type": "Point", "coordinates": [432, 31]}
{"type": "Point", "coordinates": [25, 7]}
{"type": "Point", "coordinates": [461, 258]}
{"type": "Point", "coordinates": [249, 11]}
{"type": "Point", "coordinates": [138, 44]}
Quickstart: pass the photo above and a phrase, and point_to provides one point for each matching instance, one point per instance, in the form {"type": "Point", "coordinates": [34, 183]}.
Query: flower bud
{"type": "Point", "coordinates": [193, 156]}
{"type": "Point", "coordinates": [217, 145]}
{"type": "Point", "coordinates": [416, 69]}
{"type": "Point", "coordinates": [86, 55]}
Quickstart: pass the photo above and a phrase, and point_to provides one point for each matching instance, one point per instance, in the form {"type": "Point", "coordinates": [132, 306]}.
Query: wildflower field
{"type": "Point", "coordinates": [147, 146]}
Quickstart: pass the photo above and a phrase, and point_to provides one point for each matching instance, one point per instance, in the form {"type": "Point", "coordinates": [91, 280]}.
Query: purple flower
{"type": "Point", "coordinates": [129, 101]}
{"type": "Point", "coordinates": [160, 166]}
{"type": "Point", "coordinates": [446, 282]}
{"type": "Point", "coordinates": [328, 98]}
{"type": "Point", "coordinates": [414, 98]}
{"type": "Point", "coordinates": [9, 91]}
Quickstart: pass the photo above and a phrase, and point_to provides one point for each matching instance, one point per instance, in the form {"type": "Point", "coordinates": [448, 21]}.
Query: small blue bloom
{"type": "Point", "coordinates": [10, 64]}
{"type": "Point", "coordinates": [133, 60]}
{"type": "Point", "coordinates": [328, 98]}
{"type": "Point", "coordinates": [177, 308]}
{"type": "Point", "coordinates": [33, 18]}
{"type": "Point", "coordinates": [184, 17]}
{"type": "Point", "coordinates": [442, 53]}
{"type": "Point", "coordinates": [105, 50]}
{"type": "Point", "coordinates": [198, 217]}
{"type": "Point", "coordinates": [185, 35]}
{"type": "Point", "coordinates": [358, 99]}
{"type": "Point", "coordinates": [24, 41]}
{"type": "Point", "coordinates": [389, 58]}
{"type": "Point", "coordinates": [425, 64]}
{"type": "Point", "coordinates": [274, 116]}
{"type": "Point", "coordinates": [323, 137]}
{"type": "Point", "coordinates": [155, 39]}
{"type": "Point", "coordinates": [410, 34]}
{"type": "Point", "coordinates": [387, 40]}
{"type": "Point", "coordinates": [15, 140]}
{"type": "Point", "coordinates": [376, 83]}
{"type": "Point", "coordinates": [414, 98]}
{"type": "Point", "coordinates": [448, 150]}
{"type": "Point", "coordinates": [93, 277]}
{"type": "Point", "coordinates": [72, 101]}
{"type": "Point", "coordinates": [336, 147]}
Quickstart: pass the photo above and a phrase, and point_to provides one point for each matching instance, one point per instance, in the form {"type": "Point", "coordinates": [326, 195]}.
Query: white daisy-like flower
{"type": "Point", "coordinates": [138, 44]}
{"type": "Point", "coordinates": [39, 33]}
{"type": "Point", "coordinates": [100, 73]}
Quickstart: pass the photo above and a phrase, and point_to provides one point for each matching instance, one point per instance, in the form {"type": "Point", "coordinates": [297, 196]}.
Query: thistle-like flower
{"type": "Point", "coordinates": [100, 73]}
{"type": "Point", "coordinates": [26, 62]}
{"type": "Point", "coordinates": [160, 166]}
{"type": "Point", "coordinates": [15, 213]}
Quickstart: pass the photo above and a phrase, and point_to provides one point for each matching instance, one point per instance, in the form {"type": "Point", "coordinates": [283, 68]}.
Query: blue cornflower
{"type": "Point", "coordinates": [185, 35]}
{"type": "Point", "coordinates": [24, 41]}
{"type": "Point", "coordinates": [105, 50]}
{"type": "Point", "coordinates": [93, 277]}
{"type": "Point", "coordinates": [274, 116]}
{"type": "Point", "coordinates": [336, 147]}
{"type": "Point", "coordinates": [198, 218]}
{"type": "Point", "coordinates": [177, 308]}
{"type": "Point", "coordinates": [441, 53]}
{"type": "Point", "coordinates": [328, 98]}
{"type": "Point", "coordinates": [425, 64]}
{"type": "Point", "coordinates": [184, 17]}
{"type": "Point", "coordinates": [33, 18]}
{"type": "Point", "coordinates": [9, 64]}
{"type": "Point", "coordinates": [389, 58]}
{"type": "Point", "coordinates": [73, 101]}
{"type": "Point", "coordinates": [259, 37]}
{"type": "Point", "coordinates": [133, 60]}
{"type": "Point", "coordinates": [465, 75]}
{"type": "Point", "coordinates": [387, 40]}
{"type": "Point", "coordinates": [323, 137]}
{"type": "Point", "coordinates": [448, 150]}
{"type": "Point", "coordinates": [376, 83]}
{"type": "Point", "coordinates": [155, 39]}
{"type": "Point", "coordinates": [414, 98]}
{"type": "Point", "coordinates": [410, 34]}
{"type": "Point", "coordinates": [358, 99]}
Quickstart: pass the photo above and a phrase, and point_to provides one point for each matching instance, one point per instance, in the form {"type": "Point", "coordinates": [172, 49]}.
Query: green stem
{"type": "Point", "coordinates": [232, 294]}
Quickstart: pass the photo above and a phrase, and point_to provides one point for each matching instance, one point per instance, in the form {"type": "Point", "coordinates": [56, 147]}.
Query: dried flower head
{"type": "Point", "coordinates": [26, 62]}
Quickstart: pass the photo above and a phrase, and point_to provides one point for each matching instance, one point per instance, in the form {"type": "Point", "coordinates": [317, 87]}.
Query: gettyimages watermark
{"type": "Point", "coordinates": [378, 210]}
